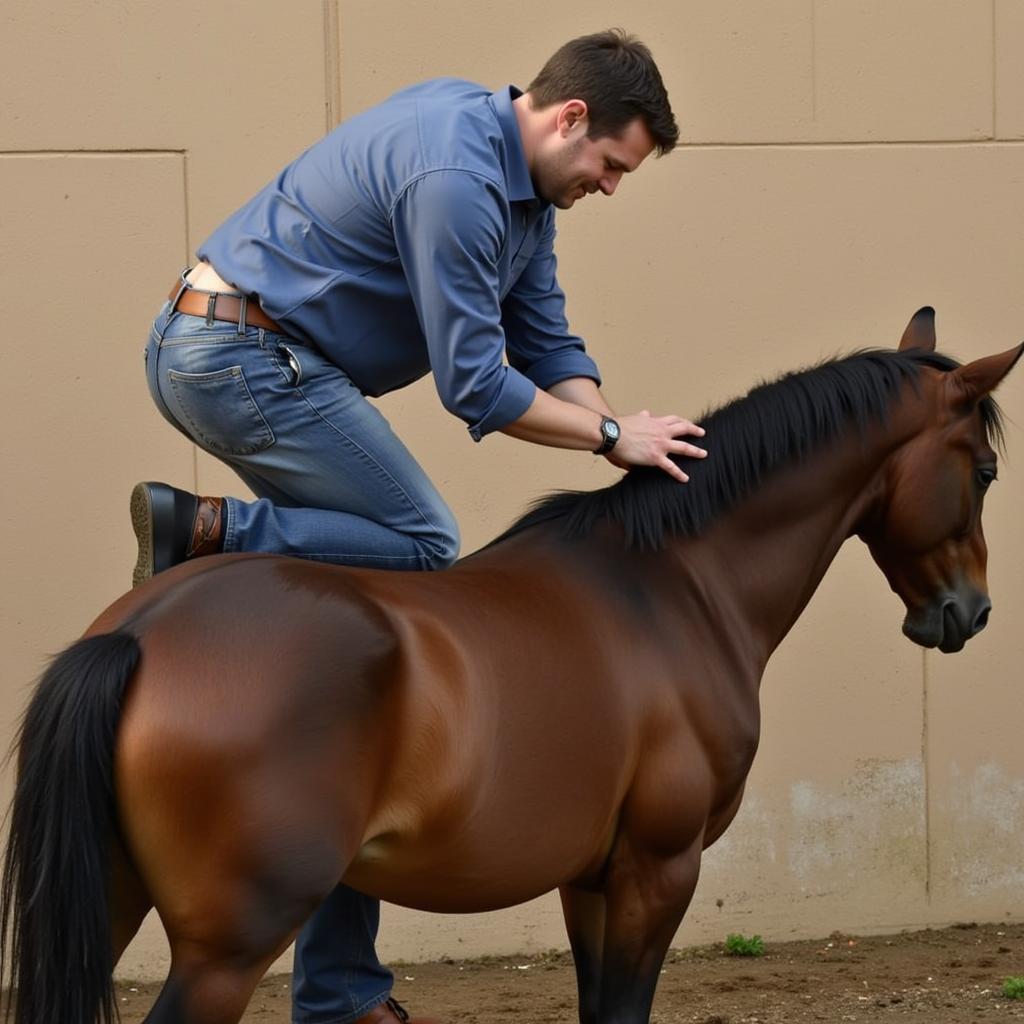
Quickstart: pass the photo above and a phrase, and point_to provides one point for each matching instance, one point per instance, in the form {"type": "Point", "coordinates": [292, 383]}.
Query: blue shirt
{"type": "Point", "coordinates": [410, 240]}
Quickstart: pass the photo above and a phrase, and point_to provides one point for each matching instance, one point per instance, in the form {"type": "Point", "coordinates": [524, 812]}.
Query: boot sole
{"type": "Point", "coordinates": [153, 518]}
{"type": "Point", "coordinates": [142, 523]}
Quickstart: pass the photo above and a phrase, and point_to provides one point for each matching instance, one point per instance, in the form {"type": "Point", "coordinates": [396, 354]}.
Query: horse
{"type": "Point", "coordinates": [574, 706]}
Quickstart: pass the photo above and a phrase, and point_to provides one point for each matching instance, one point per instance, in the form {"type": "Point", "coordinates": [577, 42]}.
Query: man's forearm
{"type": "Point", "coordinates": [560, 422]}
{"type": "Point", "coordinates": [581, 391]}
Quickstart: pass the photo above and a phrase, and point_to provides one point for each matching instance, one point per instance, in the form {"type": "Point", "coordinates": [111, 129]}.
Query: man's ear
{"type": "Point", "coordinates": [570, 114]}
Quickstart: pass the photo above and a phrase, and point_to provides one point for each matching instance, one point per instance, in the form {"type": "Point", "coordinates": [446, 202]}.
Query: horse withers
{"type": "Point", "coordinates": [575, 706]}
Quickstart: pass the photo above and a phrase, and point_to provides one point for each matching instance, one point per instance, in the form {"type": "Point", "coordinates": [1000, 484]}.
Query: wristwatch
{"type": "Point", "coordinates": [610, 434]}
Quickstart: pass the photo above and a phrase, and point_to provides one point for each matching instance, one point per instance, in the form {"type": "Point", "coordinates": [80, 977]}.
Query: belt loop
{"type": "Point", "coordinates": [178, 294]}
{"type": "Point", "coordinates": [243, 303]}
{"type": "Point", "coordinates": [211, 309]}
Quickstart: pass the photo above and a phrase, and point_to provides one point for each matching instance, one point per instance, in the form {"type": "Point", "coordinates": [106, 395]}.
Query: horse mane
{"type": "Point", "coordinates": [777, 423]}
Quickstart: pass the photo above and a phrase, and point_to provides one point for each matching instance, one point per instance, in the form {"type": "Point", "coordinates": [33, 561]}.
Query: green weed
{"type": "Point", "coordinates": [740, 945]}
{"type": "Point", "coordinates": [1013, 988]}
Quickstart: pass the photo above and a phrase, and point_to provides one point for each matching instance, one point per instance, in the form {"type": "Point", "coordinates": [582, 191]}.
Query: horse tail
{"type": "Point", "coordinates": [54, 914]}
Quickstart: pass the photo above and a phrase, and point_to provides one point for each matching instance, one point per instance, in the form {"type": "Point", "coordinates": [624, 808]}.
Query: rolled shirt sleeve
{"type": "Point", "coordinates": [538, 341]}
{"type": "Point", "coordinates": [449, 228]}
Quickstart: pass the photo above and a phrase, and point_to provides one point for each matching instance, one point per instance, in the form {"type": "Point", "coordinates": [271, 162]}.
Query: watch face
{"type": "Point", "coordinates": [611, 428]}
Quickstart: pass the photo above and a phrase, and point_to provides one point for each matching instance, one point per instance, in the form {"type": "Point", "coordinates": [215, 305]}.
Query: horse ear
{"type": "Point", "coordinates": [977, 379]}
{"type": "Point", "coordinates": [920, 332]}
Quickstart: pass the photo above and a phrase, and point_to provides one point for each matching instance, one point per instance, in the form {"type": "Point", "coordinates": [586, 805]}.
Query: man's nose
{"type": "Point", "coordinates": [610, 182]}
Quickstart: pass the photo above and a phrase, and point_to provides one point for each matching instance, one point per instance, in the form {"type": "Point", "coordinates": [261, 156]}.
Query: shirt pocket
{"type": "Point", "coordinates": [220, 411]}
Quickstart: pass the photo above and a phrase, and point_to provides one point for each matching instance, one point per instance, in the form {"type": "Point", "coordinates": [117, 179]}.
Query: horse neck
{"type": "Point", "coordinates": [768, 555]}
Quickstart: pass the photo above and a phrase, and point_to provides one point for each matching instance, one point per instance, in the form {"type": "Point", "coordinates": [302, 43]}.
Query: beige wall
{"type": "Point", "coordinates": [846, 161]}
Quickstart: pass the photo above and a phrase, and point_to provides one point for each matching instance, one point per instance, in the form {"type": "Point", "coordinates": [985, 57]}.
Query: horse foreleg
{"type": "Point", "coordinates": [584, 913]}
{"type": "Point", "coordinates": [646, 898]}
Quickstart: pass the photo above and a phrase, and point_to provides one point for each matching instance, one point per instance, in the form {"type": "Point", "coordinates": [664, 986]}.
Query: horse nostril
{"type": "Point", "coordinates": [981, 619]}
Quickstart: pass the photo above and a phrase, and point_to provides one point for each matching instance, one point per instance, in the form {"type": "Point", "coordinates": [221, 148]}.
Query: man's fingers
{"type": "Point", "coordinates": [680, 426]}
{"type": "Point", "coordinates": [685, 448]}
{"type": "Point", "coordinates": [683, 427]}
{"type": "Point", "coordinates": [674, 471]}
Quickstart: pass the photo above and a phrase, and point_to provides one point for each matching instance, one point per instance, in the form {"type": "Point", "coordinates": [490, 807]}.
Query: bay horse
{"type": "Point", "coordinates": [574, 706]}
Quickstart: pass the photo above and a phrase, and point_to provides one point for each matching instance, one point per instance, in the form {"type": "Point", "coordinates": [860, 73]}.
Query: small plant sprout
{"type": "Point", "coordinates": [1013, 988]}
{"type": "Point", "coordinates": [740, 945]}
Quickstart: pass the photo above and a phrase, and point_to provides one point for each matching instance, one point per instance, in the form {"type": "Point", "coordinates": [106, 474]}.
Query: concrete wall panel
{"type": "Point", "coordinates": [759, 87]}
{"type": "Point", "coordinates": [237, 87]}
{"type": "Point", "coordinates": [914, 70]}
{"type": "Point", "coordinates": [149, 75]}
{"type": "Point", "coordinates": [1009, 82]}
{"type": "Point", "coordinates": [384, 46]}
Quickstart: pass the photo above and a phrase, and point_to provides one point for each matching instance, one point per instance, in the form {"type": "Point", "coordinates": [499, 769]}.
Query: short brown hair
{"type": "Point", "coordinates": [615, 75]}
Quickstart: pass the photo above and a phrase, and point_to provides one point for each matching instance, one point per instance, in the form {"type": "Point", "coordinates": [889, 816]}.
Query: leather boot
{"type": "Point", "coordinates": [172, 525]}
{"type": "Point", "coordinates": [392, 1012]}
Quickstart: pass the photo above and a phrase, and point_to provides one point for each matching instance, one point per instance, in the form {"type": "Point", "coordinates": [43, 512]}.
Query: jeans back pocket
{"type": "Point", "coordinates": [220, 412]}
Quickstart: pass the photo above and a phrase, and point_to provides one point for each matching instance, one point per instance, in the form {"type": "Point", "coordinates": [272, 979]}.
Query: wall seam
{"type": "Point", "coordinates": [186, 188]}
{"type": "Point", "coordinates": [187, 196]}
{"type": "Point", "coordinates": [814, 61]}
{"type": "Point", "coordinates": [93, 152]}
{"type": "Point", "coordinates": [995, 73]}
{"type": "Point", "coordinates": [978, 143]}
{"type": "Point", "coordinates": [332, 65]}
{"type": "Point", "coordinates": [986, 143]}
{"type": "Point", "coordinates": [926, 762]}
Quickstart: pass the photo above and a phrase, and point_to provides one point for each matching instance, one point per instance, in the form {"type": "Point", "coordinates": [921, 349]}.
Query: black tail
{"type": "Point", "coordinates": [53, 903]}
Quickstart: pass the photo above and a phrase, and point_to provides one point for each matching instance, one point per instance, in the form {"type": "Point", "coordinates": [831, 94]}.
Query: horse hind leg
{"type": "Point", "coordinates": [212, 980]}
{"type": "Point", "coordinates": [209, 989]}
{"type": "Point", "coordinates": [128, 899]}
{"type": "Point", "coordinates": [201, 986]}
{"type": "Point", "coordinates": [206, 985]}
{"type": "Point", "coordinates": [232, 929]}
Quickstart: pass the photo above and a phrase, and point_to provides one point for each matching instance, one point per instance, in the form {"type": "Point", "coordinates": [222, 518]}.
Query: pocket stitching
{"type": "Point", "coordinates": [198, 380]}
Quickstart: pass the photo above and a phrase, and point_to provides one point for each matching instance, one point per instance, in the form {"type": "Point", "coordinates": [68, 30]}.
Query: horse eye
{"type": "Point", "coordinates": [985, 476]}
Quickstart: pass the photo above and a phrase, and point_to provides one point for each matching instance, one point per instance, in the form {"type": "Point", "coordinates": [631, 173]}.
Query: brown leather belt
{"type": "Point", "coordinates": [220, 306]}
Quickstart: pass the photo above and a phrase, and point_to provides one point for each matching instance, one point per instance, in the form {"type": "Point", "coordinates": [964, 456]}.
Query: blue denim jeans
{"type": "Point", "coordinates": [333, 483]}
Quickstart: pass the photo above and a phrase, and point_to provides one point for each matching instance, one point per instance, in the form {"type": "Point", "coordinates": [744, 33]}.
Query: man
{"type": "Point", "coordinates": [416, 237]}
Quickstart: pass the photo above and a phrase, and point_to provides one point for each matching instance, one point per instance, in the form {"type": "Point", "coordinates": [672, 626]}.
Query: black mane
{"type": "Point", "coordinates": [778, 422]}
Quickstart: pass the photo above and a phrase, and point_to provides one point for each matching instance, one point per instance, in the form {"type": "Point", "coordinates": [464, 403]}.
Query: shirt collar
{"type": "Point", "coordinates": [517, 172]}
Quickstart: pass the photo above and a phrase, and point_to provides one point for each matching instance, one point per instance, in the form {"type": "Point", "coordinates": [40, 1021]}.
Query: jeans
{"type": "Point", "coordinates": [334, 484]}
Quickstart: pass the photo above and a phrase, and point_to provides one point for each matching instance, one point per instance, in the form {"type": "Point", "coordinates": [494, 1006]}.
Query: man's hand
{"type": "Point", "coordinates": [649, 441]}
{"type": "Point", "coordinates": [564, 421]}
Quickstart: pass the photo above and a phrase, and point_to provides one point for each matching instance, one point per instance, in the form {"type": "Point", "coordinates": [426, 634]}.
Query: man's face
{"type": "Point", "coordinates": [572, 166]}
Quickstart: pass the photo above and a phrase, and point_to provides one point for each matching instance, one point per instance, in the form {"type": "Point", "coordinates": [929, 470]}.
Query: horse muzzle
{"type": "Point", "coordinates": [949, 622]}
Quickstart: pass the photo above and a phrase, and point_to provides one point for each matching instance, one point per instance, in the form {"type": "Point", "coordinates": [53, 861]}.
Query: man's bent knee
{"type": "Point", "coordinates": [441, 549]}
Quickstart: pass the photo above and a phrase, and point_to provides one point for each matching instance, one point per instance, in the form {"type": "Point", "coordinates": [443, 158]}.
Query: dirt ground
{"type": "Point", "coordinates": [953, 976]}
